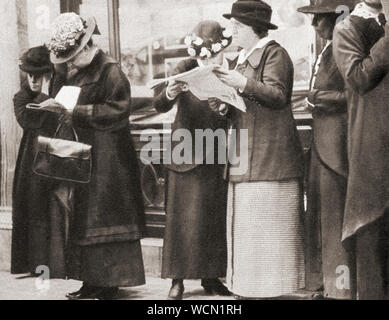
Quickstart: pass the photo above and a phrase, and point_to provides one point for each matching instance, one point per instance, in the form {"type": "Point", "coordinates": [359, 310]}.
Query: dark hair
{"type": "Point", "coordinates": [261, 32]}
{"type": "Point", "coordinates": [332, 16]}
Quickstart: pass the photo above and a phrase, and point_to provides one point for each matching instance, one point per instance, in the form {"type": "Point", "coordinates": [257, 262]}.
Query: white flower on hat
{"type": "Point", "coordinates": [192, 52]}
{"type": "Point", "coordinates": [188, 40]}
{"type": "Point", "coordinates": [216, 47]}
{"type": "Point", "coordinates": [224, 43]}
{"type": "Point", "coordinates": [205, 52]}
{"type": "Point", "coordinates": [227, 33]}
{"type": "Point", "coordinates": [198, 41]}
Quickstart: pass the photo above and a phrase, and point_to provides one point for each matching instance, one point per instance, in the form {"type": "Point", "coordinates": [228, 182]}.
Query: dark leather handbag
{"type": "Point", "coordinates": [63, 160]}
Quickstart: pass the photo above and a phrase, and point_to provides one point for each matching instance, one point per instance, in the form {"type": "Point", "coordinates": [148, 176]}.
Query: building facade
{"type": "Point", "coordinates": [147, 38]}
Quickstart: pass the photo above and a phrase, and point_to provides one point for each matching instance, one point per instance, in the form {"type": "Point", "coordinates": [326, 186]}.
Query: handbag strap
{"type": "Point", "coordinates": [56, 133]}
{"type": "Point", "coordinates": [60, 126]}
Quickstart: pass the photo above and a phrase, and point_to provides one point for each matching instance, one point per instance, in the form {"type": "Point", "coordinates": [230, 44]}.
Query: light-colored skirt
{"type": "Point", "coordinates": [265, 238]}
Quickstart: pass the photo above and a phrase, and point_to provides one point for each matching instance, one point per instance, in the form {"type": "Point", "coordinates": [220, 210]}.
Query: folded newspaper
{"type": "Point", "coordinates": [67, 97]}
{"type": "Point", "coordinates": [204, 84]}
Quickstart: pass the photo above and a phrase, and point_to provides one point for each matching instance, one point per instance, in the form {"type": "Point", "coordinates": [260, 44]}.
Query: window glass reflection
{"type": "Point", "coordinates": [152, 35]}
{"type": "Point", "coordinates": [98, 9]}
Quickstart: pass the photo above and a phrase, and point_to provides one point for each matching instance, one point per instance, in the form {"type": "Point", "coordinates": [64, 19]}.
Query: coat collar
{"type": "Point", "coordinates": [92, 73]}
{"type": "Point", "coordinates": [255, 58]}
{"type": "Point", "coordinates": [243, 56]}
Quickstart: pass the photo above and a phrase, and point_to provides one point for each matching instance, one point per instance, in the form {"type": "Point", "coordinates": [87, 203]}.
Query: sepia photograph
{"type": "Point", "coordinates": [210, 152]}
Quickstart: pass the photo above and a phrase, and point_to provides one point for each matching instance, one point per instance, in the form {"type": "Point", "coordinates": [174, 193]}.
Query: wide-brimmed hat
{"type": "Point", "coordinates": [36, 61]}
{"type": "Point", "coordinates": [69, 35]}
{"type": "Point", "coordinates": [208, 39]}
{"type": "Point", "coordinates": [327, 6]}
{"type": "Point", "coordinates": [254, 13]}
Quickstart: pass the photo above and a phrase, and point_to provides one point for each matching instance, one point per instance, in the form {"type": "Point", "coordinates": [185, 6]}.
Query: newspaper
{"type": "Point", "coordinates": [67, 97]}
{"type": "Point", "coordinates": [204, 84]}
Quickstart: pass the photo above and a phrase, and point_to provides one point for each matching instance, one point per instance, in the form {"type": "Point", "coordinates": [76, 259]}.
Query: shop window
{"type": "Point", "coordinates": [152, 34]}
{"type": "Point", "coordinates": [99, 9]}
{"type": "Point", "coordinates": [39, 14]}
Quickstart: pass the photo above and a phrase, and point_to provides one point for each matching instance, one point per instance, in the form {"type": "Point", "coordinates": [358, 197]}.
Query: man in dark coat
{"type": "Point", "coordinates": [29, 198]}
{"type": "Point", "coordinates": [107, 216]}
{"type": "Point", "coordinates": [361, 46]}
{"type": "Point", "coordinates": [328, 166]}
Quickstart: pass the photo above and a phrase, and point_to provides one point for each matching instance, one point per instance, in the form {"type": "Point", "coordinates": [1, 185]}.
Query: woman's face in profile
{"type": "Point", "coordinates": [35, 81]}
{"type": "Point", "coordinates": [242, 34]}
{"type": "Point", "coordinates": [83, 58]}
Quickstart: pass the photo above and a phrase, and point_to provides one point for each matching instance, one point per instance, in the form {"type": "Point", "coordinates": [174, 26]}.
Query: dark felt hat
{"type": "Point", "coordinates": [254, 13]}
{"type": "Point", "coordinates": [327, 6]}
{"type": "Point", "coordinates": [36, 61]}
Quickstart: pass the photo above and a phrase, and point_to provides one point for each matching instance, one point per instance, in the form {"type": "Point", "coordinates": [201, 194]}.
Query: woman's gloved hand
{"type": "Point", "coordinates": [174, 88]}
{"type": "Point", "coordinates": [66, 117]}
{"type": "Point", "coordinates": [231, 78]}
{"type": "Point", "coordinates": [217, 106]}
{"type": "Point", "coordinates": [52, 106]}
{"type": "Point", "coordinates": [312, 96]}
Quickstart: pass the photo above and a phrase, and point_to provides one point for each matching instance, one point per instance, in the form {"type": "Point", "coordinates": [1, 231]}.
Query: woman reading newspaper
{"type": "Point", "coordinates": [195, 236]}
{"type": "Point", "coordinates": [264, 229]}
{"type": "Point", "coordinates": [94, 228]}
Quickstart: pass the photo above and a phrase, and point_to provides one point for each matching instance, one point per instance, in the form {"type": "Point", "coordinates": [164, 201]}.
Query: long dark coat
{"type": "Point", "coordinates": [109, 208]}
{"type": "Point", "coordinates": [195, 237]}
{"type": "Point", "coordinates": [108, 215]}
{"type": "Point", "coordinates": [361, 52]}
{"type": "Point", "coordinates": [327, 180]}
{"type": "Point", "coordinates": [30, 192]}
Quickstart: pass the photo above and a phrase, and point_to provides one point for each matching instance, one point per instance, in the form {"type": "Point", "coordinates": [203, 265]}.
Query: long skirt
{"type": "Point", "coordinates": [265, 238]}
{"type": "Point", "coordinates": [195, 235]}
{"type": "Point", "coordinates": [329, 262]}
{"type": "Point", "coordinates": [104, 265]}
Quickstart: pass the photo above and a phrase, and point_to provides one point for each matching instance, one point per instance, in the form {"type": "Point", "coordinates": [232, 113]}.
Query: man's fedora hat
{"type": "Point", "coordinates": [254, 13]}
{"type": "Point", "coordinates": [327, 6]}
{"type": "Point", "coordinates": [70, 34]}
{"type": "Point", "coordinates": [36, 61]}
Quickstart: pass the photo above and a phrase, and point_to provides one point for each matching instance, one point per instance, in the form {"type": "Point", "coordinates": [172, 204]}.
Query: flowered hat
{"type": "Point", "coordinates": [69, 35]}
{"type": "Point", "coordinates": [207, 39]}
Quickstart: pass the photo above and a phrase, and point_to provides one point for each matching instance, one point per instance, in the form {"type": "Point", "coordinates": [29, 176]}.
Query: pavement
{"type": "Point", "coordinates": [19, 287]}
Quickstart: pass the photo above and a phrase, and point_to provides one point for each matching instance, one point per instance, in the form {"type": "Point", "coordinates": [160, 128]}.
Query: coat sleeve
{"type": "Point", "coordinates": [114, 108]}
{"type": "Point", "coordinates": [161, 103]}
{"type": "Point", "coordinates": [360, 70]}
{"type": "Point", "coordinates": [272, 91]}
{"type": "Point", "coordinates": [29, 119]}
{"type": "Point", "coordinates": [329, 99]}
